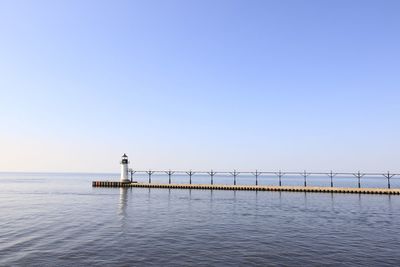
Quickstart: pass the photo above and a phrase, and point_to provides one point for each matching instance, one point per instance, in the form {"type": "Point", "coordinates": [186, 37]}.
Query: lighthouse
{"type": "Point", "coordinates": [124, 169]}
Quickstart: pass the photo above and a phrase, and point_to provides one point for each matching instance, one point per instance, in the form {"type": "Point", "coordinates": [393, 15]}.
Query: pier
{"type": "Point", "coordinates": [126, 181]}
{"type": "Point", "coordinates": [314, 189]}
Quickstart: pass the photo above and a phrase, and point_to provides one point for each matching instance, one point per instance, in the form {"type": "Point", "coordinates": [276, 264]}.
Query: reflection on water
{"type": "Point", "coordinates": [64, 221]}
{"type": "Point", "coordinates": [123, 201]}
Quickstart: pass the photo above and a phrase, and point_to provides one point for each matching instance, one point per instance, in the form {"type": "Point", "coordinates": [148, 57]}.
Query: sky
{"type": "Point", "coordinates": [268, 85]}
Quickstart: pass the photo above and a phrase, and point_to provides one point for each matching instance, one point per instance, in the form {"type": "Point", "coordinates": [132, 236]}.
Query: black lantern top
{"type": "Point", "coordinates": [124, 159]}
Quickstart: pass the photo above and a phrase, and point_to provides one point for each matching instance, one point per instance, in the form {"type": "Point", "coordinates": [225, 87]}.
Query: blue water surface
{"type": "Point", "coordinates": [60, 220]}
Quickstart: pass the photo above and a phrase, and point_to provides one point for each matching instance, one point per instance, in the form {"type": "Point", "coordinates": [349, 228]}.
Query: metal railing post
{"type": "Point", "coordinates": [388, 177]}
{"type": "Point", "coordinates": [169, 175]}
{"type": "Point", "coordinates": [150, 172]}
{"type": "Point", "coordinates": [280, 174]}
{"type": "Point", "coordinates": [212, 173]}
{"type": "Point", "coordinates": [132, 172]}
{"type": "Point", "coordinates": [235, 174]}
{"type": "Point", "coordinates": [305, 174]}
{"type": "Point", "coordinates": [256, 174]}
{"type": "Point", "coordinates": [190, 173]}
{"type": "Point", "coordinates": [359, 175]}
{"type": "Point", "coordinates": [331, 175]}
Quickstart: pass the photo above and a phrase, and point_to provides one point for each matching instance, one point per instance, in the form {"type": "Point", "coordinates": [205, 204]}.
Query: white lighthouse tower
{"type": "Point", "coordinates": [124, 169]}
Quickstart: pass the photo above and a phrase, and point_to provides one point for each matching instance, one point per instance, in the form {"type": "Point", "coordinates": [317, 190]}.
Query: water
{"type": "Point", "coordinates": [60, 220]}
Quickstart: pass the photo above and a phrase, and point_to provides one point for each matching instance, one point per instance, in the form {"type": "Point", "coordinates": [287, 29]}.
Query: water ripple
{"type": "Point", "coordinates": [63, 224]}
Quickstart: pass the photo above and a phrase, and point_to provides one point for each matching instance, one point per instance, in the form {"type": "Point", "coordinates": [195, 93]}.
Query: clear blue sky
{"type": "Point", "coordinates": [200, 84]}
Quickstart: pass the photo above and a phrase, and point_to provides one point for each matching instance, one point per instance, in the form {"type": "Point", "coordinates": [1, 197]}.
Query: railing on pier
{"type": "Point", "coordinates": [280, 175]}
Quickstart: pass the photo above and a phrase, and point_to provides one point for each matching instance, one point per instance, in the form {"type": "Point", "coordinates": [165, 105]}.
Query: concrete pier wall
{"type": "Point", "coordinates": [252, 188]}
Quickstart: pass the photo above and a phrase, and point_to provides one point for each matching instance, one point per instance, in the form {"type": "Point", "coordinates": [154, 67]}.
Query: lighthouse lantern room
{"type": "Point", "coordinates": [124, 169]}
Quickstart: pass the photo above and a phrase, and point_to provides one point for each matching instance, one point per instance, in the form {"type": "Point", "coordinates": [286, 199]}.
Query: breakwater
{"type": "Point", "coordinates": [315, 189]}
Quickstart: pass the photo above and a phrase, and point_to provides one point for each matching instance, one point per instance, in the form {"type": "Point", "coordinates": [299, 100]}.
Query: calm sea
{"type": "Point", "coordinates": [60, 220]}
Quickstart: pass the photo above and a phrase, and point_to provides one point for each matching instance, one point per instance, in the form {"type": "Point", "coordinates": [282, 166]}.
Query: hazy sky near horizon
{"type": "Point", "coordinates": [271, 85]}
